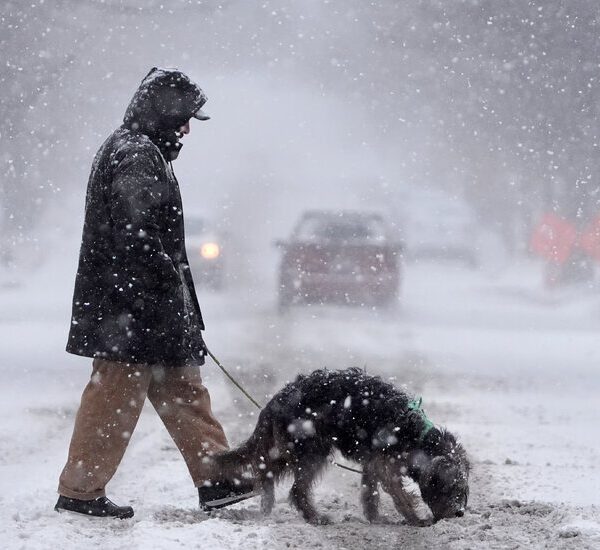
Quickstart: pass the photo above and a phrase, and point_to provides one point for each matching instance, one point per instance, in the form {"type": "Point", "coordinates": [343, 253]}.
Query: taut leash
{"type": "Point", "coordinates": [235, 382]}
{"type": "Point", "coordinates": [255, 403]}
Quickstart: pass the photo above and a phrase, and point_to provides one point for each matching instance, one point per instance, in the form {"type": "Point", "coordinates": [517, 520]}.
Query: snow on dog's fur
{"type": "Point", "coordinates": [370, 422]}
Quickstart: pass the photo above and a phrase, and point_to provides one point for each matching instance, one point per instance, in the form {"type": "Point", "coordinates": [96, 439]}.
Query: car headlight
{"type": "Point", "coordinates": [210, 251]}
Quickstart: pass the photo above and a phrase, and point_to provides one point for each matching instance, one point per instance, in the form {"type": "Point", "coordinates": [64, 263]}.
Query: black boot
{"type": "Point", "coordinates": [224, 493]}
{"type": "Point", "coordinates": [100, 507]}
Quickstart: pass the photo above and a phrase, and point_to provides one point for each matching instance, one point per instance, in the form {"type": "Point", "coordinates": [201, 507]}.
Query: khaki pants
{"type": "Point", "coordinates": [110, 407]}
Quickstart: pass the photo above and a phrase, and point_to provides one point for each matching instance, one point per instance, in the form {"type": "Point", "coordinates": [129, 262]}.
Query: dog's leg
{"type": "Point", "coordinates": [268, 476]}
{"type": "Point", "coordinates": [305, 472]}
{"type": "Point", "coordinates": [405, 502]}
{"type": "Point", "coordinates": [369, 494]}
{"type": "Point", "coordinates": [268, 496]}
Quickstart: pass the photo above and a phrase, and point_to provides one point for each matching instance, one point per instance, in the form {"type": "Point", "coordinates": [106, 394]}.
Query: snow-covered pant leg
{"type": "Point", "coordinates": [183, 403]}
{"type": "Point", "coordinates": [110, 408]}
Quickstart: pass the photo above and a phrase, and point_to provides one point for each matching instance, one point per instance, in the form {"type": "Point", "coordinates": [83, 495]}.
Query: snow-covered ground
{"type": "Point", "coordinates": [509, 368]}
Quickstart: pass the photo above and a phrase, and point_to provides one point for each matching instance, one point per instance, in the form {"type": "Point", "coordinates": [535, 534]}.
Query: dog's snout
{"type": "Point", "coordinates": [460, 513]}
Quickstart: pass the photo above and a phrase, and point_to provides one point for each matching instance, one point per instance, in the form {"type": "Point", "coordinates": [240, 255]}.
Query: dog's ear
{"type": "Point", "coordinates": [439, 464]}
{"type": "Point", "coordinates": [446, 472]}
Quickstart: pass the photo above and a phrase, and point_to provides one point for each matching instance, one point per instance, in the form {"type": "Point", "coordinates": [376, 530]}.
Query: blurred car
{"type": "Point", "coordinates": [346, 257]}
{"type": "Point", "coordinates": [440, 226]}
{"type": "Point", "coordinates": [205, 246]}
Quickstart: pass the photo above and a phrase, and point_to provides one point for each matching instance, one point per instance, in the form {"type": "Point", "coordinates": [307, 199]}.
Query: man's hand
{"type": "Point", "coordinates": [203, 348]}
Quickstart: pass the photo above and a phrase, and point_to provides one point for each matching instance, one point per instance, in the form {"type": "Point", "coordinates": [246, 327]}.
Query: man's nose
{"type": "Point", "coordinates": [185, 129]}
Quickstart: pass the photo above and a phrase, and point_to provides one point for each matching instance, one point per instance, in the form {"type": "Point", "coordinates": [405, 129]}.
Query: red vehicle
{"type": "Point", "coordinates": [344, 257]}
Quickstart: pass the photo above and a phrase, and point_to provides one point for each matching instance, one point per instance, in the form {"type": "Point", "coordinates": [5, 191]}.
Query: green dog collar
{"type": "Point", "coordinates": [415, 405]}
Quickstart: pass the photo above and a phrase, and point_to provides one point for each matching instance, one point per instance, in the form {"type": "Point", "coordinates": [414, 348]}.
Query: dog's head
{"type": "Point", "coordinates": [443, 478]}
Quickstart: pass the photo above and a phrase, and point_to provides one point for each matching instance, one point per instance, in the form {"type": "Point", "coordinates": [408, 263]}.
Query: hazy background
{"type": "Point", "coordinates": [314, 103]}
{"type": "Point", "coordinates": [479, 114]}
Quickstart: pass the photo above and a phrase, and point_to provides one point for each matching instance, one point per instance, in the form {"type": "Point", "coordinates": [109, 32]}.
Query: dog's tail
{"type": "Point", "coordinates": [248, 455]}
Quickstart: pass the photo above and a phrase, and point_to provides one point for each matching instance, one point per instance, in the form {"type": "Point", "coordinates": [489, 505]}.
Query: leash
{"type": "Point", "coordinates": [346, 467]}
{"type": "Point", "coordinates": [235, 382]}
{"type": "Point", "coordinates": [256, 404]}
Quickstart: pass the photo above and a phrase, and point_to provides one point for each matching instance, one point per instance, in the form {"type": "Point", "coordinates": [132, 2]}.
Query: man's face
{"type": "Point", "coordinates": [185, 129]}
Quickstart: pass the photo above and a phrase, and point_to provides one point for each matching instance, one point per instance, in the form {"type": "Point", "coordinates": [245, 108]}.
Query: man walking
{"type": "Point", "coordinates": [135, 310]}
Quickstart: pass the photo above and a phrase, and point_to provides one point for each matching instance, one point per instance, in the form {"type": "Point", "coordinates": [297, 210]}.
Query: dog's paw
{"type": "Point", "coordinates": [320, 519]}
{"type": "Point", "coordinates": [372, 516]}
{"type": "Point", "coordinates": [266, 506]}
{"type": "Point", "coordinates": [385, 520]}
{"type": "Point", "coordinates": [418, 522]}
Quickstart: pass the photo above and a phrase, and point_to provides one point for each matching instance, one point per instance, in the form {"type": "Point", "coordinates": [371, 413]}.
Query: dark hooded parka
{"type": "Point", "coordinates": [134, 298]}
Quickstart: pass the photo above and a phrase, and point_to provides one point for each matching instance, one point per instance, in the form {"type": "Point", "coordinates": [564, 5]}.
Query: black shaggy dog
{"type": "Point", "coordinates": [370, 422]}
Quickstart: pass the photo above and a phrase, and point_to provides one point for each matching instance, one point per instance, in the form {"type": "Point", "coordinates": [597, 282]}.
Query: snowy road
{"type": "Point", "coordinates": [511, 370]}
